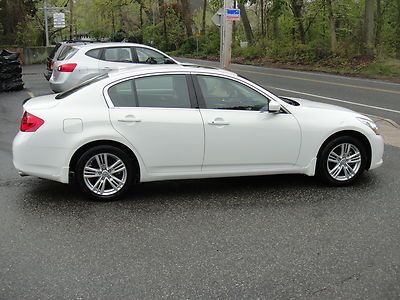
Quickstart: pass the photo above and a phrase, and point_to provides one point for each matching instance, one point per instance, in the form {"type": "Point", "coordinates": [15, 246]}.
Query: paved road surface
{"type": "Point", "coordinates": [270, 237]}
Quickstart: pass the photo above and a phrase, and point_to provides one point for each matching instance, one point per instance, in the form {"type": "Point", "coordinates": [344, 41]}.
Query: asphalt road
{"type": "Point", "coordinates": [272, 237]}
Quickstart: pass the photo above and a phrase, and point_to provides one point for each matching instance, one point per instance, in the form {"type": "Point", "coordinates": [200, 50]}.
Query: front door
{"type": "Point", "coordinates": [238, 136]}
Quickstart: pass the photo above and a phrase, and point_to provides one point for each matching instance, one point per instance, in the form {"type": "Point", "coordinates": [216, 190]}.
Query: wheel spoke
{"type": "Point", "coordinates": [346, 172]}
{"type": "Point", "coordinates": [116, 179]}
{"type": "Point", "coordinates": [333, 157]}
{"type": "Point", "coordinates": [336, 170]}
{"type": "Point", "coordinates": [103, 185]}
{"type": "Point", "coordinates": [114, 185]}
{"type": "Point", "coordinates": [354, 158]}
{"type": "Point", "coordinates": [95, 186]}
{"type": "Point", "coordinates": [117, 167]}
{"type": "Point", "coordinates": [105, 160]}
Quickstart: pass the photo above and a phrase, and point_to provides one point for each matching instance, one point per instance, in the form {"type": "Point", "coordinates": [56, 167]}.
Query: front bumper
{"type": "Point", "coordinates": [377, 149]}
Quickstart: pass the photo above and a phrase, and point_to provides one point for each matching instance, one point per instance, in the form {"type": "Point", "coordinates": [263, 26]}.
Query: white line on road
{"type": "Point", "coordinates": [334, 99]}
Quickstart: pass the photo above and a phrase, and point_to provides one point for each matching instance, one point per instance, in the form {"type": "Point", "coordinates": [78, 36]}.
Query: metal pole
{"type": "Point", "coordinates": [71, 16]}
{"type": "Point", "coordinates": [227, 53]}
{"type": "Point", "coordinates": [46, 24]}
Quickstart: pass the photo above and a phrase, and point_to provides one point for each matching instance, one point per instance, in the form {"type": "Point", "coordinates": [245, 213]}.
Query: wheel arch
{"type": "Point", "coordinates": [78, 153]}
{"type": "Point", "coordinates": [355, 134]}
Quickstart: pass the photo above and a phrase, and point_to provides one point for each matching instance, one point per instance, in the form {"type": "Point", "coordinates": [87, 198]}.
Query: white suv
{"type": "Point", "coordinates": [78, 63]}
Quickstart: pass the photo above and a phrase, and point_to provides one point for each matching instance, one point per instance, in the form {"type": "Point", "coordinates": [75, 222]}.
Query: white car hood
{"type": "Point", "coordinates": [314, 104]}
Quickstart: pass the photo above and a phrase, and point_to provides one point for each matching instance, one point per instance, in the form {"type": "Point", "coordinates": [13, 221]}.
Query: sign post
{"type": "Point", "coordinates": [223, 19]}
{"type": "Point", "coordinates": [59, 20]}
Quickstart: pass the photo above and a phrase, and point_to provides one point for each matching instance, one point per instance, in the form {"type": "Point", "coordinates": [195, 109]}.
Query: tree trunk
{"type": "Point", "coordinates": [186, 17]}
{"type": "Point", "coordinates": [246, 24]}
{"type": "Point", "coordinates": [262, 18]}
{"type": "Point", "coordinates": [203, 20]}
{"type": "Point", "coordinates": [369, 24]}
{"type": "Point", "coordinates": [297, 9]}
{"type": "Point", "coordinates": [332, 26]}
{"type": "Point", "coordinates": [398, 30]}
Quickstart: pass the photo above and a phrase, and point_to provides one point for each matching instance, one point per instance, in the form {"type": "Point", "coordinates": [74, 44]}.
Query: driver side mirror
{"type": "Point", "coordinates": [274, 107]}
{"type": "Point", "coordinates": [168, 61]}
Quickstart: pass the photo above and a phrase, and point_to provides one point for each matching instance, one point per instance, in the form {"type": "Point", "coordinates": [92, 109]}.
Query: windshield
{"type": "Point", "coordinates": [82, 85]}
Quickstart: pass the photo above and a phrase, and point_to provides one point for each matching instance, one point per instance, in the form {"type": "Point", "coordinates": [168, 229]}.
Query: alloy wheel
{"type": "Point", "coordinates": [344, 161]}
{"type": "Point", "coordinates": [105, 174]}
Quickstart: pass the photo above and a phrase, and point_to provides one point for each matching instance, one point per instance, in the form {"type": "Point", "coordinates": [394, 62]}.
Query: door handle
{"type": "Point", "coordinates": [218, 123]}
{"type": "Point", "coordinates": [130, 120]}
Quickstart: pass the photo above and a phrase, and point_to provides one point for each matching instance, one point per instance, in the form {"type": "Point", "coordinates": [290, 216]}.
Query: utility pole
{"type": "Point", "coordinates": [71, 19]}
{"type": "Point", "coordinates": [227, 37]}
{"type": "Point", "coordinates": [46, 24]}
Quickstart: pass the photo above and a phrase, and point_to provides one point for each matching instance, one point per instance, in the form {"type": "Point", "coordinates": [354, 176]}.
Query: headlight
{"type": "Point", "coordinates": [370, 124]}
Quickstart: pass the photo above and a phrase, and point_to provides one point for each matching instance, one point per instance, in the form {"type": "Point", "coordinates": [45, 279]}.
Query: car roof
{"type": "Point", "coordinates": [150, 69]}
{"type": "Point", "coordinates": [113, 44]}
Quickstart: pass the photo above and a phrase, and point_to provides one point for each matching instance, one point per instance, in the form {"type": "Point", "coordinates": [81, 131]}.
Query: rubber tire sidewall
{"type": "Point", "coordinates": [322, 169]}
{"type": "Point", "coordinates": [104, 149]}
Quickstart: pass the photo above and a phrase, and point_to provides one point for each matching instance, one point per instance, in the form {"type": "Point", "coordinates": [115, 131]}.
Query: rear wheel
{"type": "Point", "coordinates": [342, 161]}
{"type": "Point", "coordinates": [104, 172]}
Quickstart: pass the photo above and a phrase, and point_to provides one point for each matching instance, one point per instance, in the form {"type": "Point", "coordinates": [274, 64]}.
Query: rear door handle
{"type": "Point", "coordinates": [129, 119]}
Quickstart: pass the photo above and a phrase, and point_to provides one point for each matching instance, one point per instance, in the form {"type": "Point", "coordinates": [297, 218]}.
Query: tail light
{"type": "Point", "coordinates": [67, 68]}
{"type": "Point", "coordinates": [50, 64]}
{"type": "Point", "coordinates": [30, 123]}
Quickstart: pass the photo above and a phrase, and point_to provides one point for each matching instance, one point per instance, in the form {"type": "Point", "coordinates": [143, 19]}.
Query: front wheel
{"type": "Point", "coordinates": [104, 172]}
{"type": "Point", "coordinates": [342, 161]}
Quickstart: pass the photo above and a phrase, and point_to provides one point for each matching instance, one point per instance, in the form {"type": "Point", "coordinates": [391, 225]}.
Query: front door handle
{"type": "Point", "coordinates": [218, 122]}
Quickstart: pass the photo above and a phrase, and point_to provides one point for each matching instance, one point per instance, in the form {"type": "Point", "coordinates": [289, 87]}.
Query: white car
{"type": "Point", "coordinates": [177, 122]}
{"type": "Point", "coordinates": [77, 63]}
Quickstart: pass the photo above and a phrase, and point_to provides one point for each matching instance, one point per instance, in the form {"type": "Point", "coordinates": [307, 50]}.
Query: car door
{"type": "Point", "coordinates": [238, 134]}
{"type": "Point", "coordinates": [116, 58]}
{"type": "Point", "coordinates": [158, 115]}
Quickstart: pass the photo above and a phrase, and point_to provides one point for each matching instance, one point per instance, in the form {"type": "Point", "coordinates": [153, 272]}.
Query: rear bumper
{"type": "Point", "coordinates": [29, 159]}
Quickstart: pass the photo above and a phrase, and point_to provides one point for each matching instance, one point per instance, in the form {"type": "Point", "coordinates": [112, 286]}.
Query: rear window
{"type": "Point", "coordinates": [67, 53]}
{"type": "Point", "coordinates": [82, 85]}
{"type": "Point", "coordinates": [53, 52]}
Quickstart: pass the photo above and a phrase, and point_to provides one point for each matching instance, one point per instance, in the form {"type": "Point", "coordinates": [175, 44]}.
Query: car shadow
{"type": "Point", "coordinates": [271, 190]}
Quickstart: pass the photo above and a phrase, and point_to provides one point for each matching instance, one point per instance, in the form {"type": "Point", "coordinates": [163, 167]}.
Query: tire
{"type": "Point", "coordinates": [342, 161]}
{"type": "Point", "coordinates": [104, 182]}
{"type": "Point", "coordinates": [14, 69]}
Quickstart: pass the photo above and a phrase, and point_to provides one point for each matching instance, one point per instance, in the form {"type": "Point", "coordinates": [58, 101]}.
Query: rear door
{"type": "Point", "coordinates": [158, 115]}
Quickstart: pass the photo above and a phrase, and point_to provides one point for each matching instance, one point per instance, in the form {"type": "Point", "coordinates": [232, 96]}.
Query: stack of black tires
{"type": "Point", "coordinates": [10, 72]}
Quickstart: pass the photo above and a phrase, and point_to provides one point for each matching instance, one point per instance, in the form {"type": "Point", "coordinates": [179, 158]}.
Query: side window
{"type": "Point", "coordinates": [222, 93]}
{"type": "Point", "coordinates": [119, 54]}
{"type": "Point", "coordinates": [95, 53]}
{"type": "Point", "coordinates": [163, 91]}
{"type": "Point", "coordinates": [123, 94]}
{"type": "Point", "coordinates": [150, 56]}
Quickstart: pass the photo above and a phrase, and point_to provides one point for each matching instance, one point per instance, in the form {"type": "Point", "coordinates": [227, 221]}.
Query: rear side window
{"type": "Point", "coordinates": [168, 91]}
{"type": "Point", "coordinates": [67, 53]}
{"type": "Point", "coordinates": [95, 53]}
{"type": "Point", "coordinates": [120, 54]}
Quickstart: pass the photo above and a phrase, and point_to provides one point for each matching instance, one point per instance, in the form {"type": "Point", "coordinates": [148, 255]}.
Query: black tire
{"type": "Point", "coordinates": [88, 160]}
{"type": "Point", "coordinates": [347, 171]}
{"type": "Point", "coordinates": [14, 69]}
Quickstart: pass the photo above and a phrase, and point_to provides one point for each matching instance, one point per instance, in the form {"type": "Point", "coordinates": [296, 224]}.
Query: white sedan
{"type": "Point", "coordinates": [178, 122]}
